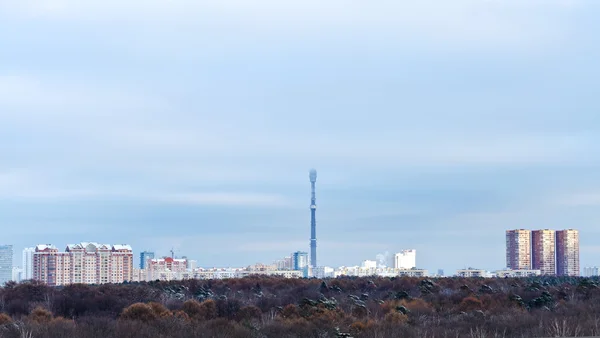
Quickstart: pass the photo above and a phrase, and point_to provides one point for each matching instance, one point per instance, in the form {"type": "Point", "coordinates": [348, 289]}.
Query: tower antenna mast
{"type": "Point", "coordinates": [313, 220]}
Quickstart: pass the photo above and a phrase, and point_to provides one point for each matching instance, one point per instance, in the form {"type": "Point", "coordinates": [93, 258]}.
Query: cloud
{"type": "Point", "coordinates": [26, 96]}
{"type": "Point", "coordinates": [473, 22]}
{"type": "Point", "coordinates": [25, 185]}
{"type": "Point", "coordinates": [224, 199]}
{"type": "Point", "coordinates": [578, 200]}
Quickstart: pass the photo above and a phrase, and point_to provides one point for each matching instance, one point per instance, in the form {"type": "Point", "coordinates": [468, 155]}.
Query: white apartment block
{"type": "Point", "coordinates": [470, 272]}
{"type": "Point", "coordinates": [27, 263]}
{"type": "Point", "coordinates": [591, 271]}
{"type": "Point", "coordinates": [361, 271]}
{"type": "Point", "coordinates": [405, 259]}
{"type": "Point", "coordinates": [85, 263]}
{"type": "Point", "coordinates": [516, 273]}
{"type": "Point", "coordinates": [167, 268]}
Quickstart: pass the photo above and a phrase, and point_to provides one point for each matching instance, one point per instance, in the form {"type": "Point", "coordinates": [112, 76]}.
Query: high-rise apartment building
{"type": "Point", "coordinates": [405, 259]}
{"type": "Point", "coordinates": [299, 260]}
{"type": "Point", "coordinates": [86, 263]}
{"type": "Point", "coordinates": [591, 271]}
{"type": "Point", "coordinates": [167, 268]}
{"type": "Point", "coordinates": [543, 255]}
{"type": "Point", "coordinates": [144, 257]}
{"type": "Point", "coordinates": [567, 252]}
{"type": "Point", "coordinates": [27, 263]}
{"type": "Point", "coordinates": [518, 249]}
{"type": "Point", "coordinates": [6, 263]}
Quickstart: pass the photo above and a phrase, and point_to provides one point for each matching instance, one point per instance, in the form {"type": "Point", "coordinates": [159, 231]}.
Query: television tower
{"type": "Point", "coordinates": [313, 220]}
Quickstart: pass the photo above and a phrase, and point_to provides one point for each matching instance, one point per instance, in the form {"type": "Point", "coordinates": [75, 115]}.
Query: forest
{"type": "Point", "coordinates": [277, 307]}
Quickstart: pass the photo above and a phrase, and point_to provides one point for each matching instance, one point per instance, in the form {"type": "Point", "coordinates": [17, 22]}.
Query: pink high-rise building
{"type": "Point", "coordinates": [567, 252]}
{"type": "Point", "coordinates": [543, 251]}
{"type": "Point", "coordinates": [86, 263]}
{"type": "Point", "coordinates": [518, 249]}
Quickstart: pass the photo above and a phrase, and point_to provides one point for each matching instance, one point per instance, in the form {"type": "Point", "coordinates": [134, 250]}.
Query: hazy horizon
{"type": "Point", "coordinates": [192, 125]}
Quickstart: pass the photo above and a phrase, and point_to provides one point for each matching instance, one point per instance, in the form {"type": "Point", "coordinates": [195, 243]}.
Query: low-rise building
{"type": "Point", "coordinates": [470, 272]}
{"type": "Point", "coordinates": [516, 273]}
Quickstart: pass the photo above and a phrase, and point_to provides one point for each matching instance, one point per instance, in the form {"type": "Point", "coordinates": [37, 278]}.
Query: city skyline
{"type": "Point", "coordinates": [191, 125]}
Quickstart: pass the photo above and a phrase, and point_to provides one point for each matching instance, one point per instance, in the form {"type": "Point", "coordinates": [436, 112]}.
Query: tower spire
{"type": "Point", "coordinates": [313, 220]}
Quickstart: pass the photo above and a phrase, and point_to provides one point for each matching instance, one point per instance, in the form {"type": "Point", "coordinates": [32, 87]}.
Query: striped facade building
{"type": "Point", "coordinates": [83, 263]}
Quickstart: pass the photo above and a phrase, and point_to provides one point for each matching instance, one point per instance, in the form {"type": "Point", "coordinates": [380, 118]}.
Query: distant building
{"type": "Point", "coordinates": [321, 272]}
{"type": "Point", "coordinates": [28, 263]}
{"type": "Point", "coordinates": [440, 272]}
{"type": "Point", "coordinates": [543, 255]}
{"type": "Point", "coordinates": [192, 264]}
{"type": "Point", "coordinates": [144, 257]}
{"type": "Point", "coordinates": [567, 253]}
{"type": "Point", "coordinates": [414, 272]}
{"type": "Point", "coordinates": [516, 273]}
{"type": "Point", "coordinates": [405, 259]}
{"type": "Point", "coordinates": [470, 272]}
{"type": "Point", "coordinates": [17, 274]}
{"type": "Point", "coordinates": [6, 263]}
{"type": "Point", "coordinates": [166, 269]}
{"type": "Point", "coordinates": [85, 263]}
{"type": "Point", "coordinates": [369, 264]}
{"type": "Point", "coordinates": [518, 249]}
{"type": "Point", "coordinates": [285, 264]}
{"type": "Point", "coordinates": [591, 271]}
{"type": "Point", "coordinates": [299, 260]}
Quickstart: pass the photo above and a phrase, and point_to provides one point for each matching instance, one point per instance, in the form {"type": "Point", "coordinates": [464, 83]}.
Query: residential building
{"type": "Point", "coordinates": [85, 263]}
{"type": "Point", "coordinates": [27, 263]}
{"type": "Point", "coordinates": [6, 263]}
{"type": "Point", "coordinates": [591, 271]}
{"type": "Point", "coordinates": [192, 264]}
{"type": "Point", "coordinates": [518, 249]}
{"type": "Point", "coordinates": [567, 252]}
{"type": "Point", "coordinates": [287, 263]}
{"type": "Point", "coordinates": [405, 259]}
{"type": "Point", "coordinates": [166, 268]}
{"type": "Point", "coordinates": [543, 255]}
{"type": "Point", "coordinates": [51, 266]}
{"type": "Point", "coordinates": [414, 272]}
{"type": "Point", "coordinates": [517, 273]}
{"type": "Point", "coordinates": [144, 257]}
{"type": "Point", "coordinates": [368, 264]}
{"type": "Point", "coordinates": [470, 272]}
{"type": "Point", "coordinates": [299, 260]}
{"type": "Point", "coordinates": [17, 274]}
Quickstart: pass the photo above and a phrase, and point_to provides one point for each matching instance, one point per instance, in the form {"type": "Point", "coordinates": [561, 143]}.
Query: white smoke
{"type": "Point", "coordinates": [383, 259]}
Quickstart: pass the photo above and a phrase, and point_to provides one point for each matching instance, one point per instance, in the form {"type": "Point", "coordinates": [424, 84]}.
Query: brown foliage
{"type": "Point", "coordinates": [359, 312]}
{"type": "Point", "coordinates": [290, 311]}
{"type": "Point", "coordinates": [470, 303]}
{"type": "Point", "coordinates": [139, 312]}
{"type": "Point", "coordinates": [248, 313]}
{"type": "Point", "coordinates": [157, 309]}
{"type": "Point", "coordinates": [40, 315]}
{"type": "Point", "coordinates": [395, 318]}
{"type": "Point", "coordinates": [200, 311]}
{"type": "Point", "coordinates": [181, 315]}
{"type": "Point", "coordinates": [160, 310]}
{"type": "Point", "coordinates": [358, 327]}
{"type": "Point", "coordinates": [417, 305]}
{"type": "Point", "coordinates": [5, 319]}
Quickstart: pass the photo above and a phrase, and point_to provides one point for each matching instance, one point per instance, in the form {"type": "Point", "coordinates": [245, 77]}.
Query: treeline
{"type": "Point", "coordinates": [276, 307]}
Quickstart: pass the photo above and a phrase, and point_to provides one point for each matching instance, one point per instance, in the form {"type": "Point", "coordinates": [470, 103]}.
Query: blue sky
{"type": "Point", "coordinates": [434, 125]}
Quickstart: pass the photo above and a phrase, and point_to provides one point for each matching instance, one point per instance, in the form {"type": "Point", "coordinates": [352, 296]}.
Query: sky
{"type": "Point", "coordinates": [192, 125]}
